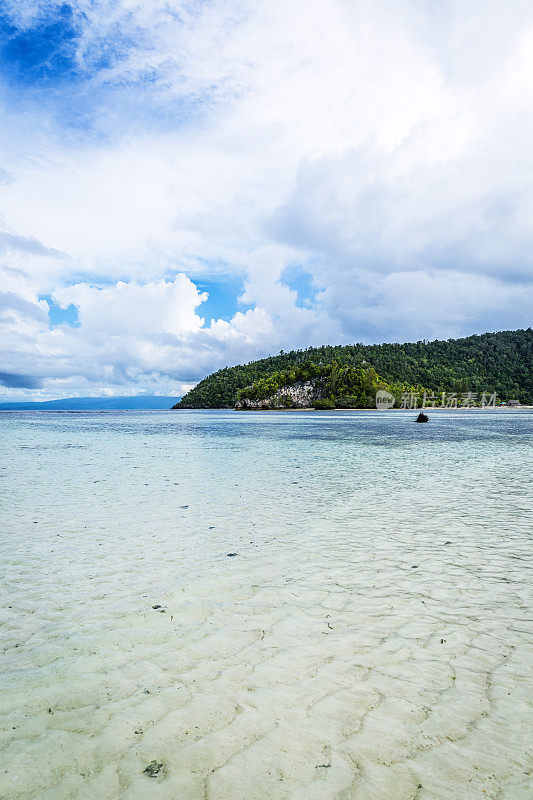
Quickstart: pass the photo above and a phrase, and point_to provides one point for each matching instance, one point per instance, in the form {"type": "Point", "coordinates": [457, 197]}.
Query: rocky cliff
{"type": "Point", "coordinates": [299, 395]}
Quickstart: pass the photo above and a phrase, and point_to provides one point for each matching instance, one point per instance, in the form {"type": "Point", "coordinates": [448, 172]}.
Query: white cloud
{"type": "Point", "coordinates": [130, 308]}
{"type": "Point", "coordinates": [383, 147]}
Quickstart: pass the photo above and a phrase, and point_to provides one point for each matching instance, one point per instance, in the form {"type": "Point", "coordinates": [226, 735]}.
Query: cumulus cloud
{"type": "Point", "coordinates": [381, 149]}
{"type": "Point", "coordinates": [159, 308]}
{"type": "Point", "coordinates": [129, 335]}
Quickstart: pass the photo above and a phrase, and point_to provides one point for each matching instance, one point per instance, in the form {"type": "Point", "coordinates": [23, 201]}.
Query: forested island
{"type": "Point", "coordinates": [348, 376]}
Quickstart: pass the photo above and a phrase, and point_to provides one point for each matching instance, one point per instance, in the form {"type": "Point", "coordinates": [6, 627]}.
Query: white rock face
{"type": "Point", "coordinates": [301, 394]}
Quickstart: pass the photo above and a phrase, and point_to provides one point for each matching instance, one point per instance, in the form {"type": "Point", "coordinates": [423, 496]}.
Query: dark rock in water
{"type": "Point", "coordinates": [153, 769]}
{"type": "Point", "coordinates": [422, 418]}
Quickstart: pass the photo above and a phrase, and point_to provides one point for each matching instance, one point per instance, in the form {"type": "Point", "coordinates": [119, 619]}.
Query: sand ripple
{"type": "Point", "coordinates": [337, 655]}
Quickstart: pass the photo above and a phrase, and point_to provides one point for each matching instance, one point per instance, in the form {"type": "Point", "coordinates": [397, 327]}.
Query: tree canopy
{"type": "Point", "coordinates": [493, 362]}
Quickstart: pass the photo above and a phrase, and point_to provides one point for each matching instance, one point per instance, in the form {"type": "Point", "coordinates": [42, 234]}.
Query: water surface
{"type": "Point", "coordinates": [369, 636]}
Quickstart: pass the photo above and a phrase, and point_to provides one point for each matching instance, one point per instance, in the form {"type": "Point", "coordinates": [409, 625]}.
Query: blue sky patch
{"type": "Point", "coordinates": [223, 298]}
{"type": "Point", "coordinates": [301, 281]}
{"type": "Point", "coordinates": [61, 316]}
{"type": "Point", "coordinates": [44, 52]}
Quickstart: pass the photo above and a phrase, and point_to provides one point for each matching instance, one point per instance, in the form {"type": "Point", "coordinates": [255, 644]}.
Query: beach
{"type": "Point", "coordinates": [263, 606]}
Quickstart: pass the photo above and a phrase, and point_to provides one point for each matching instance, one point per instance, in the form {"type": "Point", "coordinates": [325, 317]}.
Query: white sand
{"type": "Point", "coordinates": [371, 639]}
{"type": "Point", "coordinates": [364, 679]}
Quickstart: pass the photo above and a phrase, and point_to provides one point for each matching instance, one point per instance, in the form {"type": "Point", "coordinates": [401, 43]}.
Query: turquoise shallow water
{"type": "Point", "coordinates": [377, 604]}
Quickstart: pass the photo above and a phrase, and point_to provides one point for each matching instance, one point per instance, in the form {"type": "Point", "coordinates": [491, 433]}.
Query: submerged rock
{"type": "Point", "coordinates": [153, 768]}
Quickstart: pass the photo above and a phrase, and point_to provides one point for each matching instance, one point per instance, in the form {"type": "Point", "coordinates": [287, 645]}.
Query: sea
{"type": "Point", "coordinates": [222, 605]}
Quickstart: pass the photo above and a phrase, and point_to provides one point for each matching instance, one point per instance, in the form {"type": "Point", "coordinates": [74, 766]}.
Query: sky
{"type": "Point", "coordinates": [188, 185]}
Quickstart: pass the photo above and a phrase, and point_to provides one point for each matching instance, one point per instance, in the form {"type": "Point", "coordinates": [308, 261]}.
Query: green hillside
{"type": "Point", "coordinates": [494, 362]}
{"type": "Point", "coordinates": [328, 386]}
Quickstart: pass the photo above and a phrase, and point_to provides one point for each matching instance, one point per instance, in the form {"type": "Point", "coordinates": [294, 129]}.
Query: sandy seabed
{"type": "Point", "coordinates": [339, 657]}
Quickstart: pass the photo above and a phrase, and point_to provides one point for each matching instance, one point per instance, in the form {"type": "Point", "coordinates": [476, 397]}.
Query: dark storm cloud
{"type": "Point", "coordinates": [14, 380]}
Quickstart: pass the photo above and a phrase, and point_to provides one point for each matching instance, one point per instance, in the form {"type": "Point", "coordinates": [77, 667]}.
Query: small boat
{"type": "Point", "coordinates": [422, 417]}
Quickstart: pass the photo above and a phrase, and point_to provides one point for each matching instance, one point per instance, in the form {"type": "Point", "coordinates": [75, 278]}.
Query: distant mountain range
{"type": "Point", "coordinates": [131, 403]}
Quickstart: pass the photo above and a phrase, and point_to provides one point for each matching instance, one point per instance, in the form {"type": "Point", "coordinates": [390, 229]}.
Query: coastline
{"type": "Point", "coordinates": [381, 411]}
